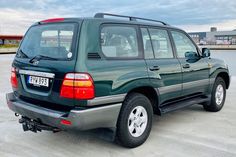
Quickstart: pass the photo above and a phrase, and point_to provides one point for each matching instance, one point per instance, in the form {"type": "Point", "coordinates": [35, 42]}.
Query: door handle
{"type": "Point", "coordinates": [154, 68]}
{"type": "Point", "coordinates": [186, 66]}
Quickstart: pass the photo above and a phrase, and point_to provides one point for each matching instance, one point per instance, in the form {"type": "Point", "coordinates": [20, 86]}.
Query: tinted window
{"type": "Point", "coordinates": [119, 41]}
{"type": "Point", "coordinates": [161, 43]}
{"type": "Point", "coordinates": [50, 39]}
{"type": "Point", "coordinates": [183, 44]}
{"type": "Point", "coordinates": [147, 46]}
{"type": "Point", "coordinates": [54, 40]}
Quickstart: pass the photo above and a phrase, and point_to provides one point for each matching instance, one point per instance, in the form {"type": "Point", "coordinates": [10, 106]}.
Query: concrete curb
{"type": "Point", "coordinates": [8, 50]}
{"type": "Point", "coordinates": [219, 47]}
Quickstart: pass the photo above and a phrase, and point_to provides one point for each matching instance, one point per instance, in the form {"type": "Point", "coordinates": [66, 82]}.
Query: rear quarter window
{"type": "Point", "coordinates": [119, 41]}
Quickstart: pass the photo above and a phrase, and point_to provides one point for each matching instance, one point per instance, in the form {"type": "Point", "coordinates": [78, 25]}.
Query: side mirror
{"type": "Point", "coordinates": [191, 56]}
{"type": "Point", "coordinates": [206, 52]}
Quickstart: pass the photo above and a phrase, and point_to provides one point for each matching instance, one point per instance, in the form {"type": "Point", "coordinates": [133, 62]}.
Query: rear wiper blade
{"type": "Point", "coordinates": [39, 57]}
{"type": "Point", "coordinates": [23, 54]}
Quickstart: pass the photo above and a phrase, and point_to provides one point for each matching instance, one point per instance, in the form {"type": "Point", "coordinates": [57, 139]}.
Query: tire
{"type": "Point", "coordinates": [217, 100]}
{"type": "Point", "coordinates": [128, 120]}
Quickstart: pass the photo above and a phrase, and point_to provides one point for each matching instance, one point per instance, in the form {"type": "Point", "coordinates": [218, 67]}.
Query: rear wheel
{"type": "Point", "coordinates": [135, 120]}
{"type": "Point", "coordinates": [217, 96]}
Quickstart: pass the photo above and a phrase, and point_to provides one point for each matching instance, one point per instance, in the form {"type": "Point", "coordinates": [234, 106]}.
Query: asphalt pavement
{"type": "Point", "coordinates": [191, 132]}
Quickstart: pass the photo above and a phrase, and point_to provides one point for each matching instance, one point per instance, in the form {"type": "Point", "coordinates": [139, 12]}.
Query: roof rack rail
{"type": "Point", "coordinates": [131, 18]}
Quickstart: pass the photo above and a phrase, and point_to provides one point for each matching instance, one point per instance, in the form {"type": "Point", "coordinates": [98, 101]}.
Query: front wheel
{"type": "Point", "coordinates": [135, 120]}
{"type": "Point", "coordinates": [217, 97]}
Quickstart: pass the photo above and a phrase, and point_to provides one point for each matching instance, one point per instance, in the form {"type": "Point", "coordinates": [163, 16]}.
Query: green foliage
{"type": "Point", "coordinates": [9, 46]}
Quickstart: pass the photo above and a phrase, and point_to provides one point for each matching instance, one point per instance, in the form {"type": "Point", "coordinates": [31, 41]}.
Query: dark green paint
{"type": "Point", "coordinates": [113, 77]}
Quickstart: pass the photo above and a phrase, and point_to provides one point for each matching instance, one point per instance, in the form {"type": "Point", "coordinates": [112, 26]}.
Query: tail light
{"type": "Point", "coordinates": [65, 122]}
{"type": "Point", "coordinates": [77, 86]}
{"type": "Point", "coordinates": [14, 82]}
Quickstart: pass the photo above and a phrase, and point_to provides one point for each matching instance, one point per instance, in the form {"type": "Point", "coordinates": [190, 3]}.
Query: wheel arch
{"type": "Point", "coordinates": [151, 93]}
{"type": "Point", "coordinates": [225, 77]}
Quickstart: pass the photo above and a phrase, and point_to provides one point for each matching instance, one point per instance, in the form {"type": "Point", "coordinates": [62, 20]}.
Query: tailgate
{"type": "Point", "coordinates": [52, 71]}
{"type": "Point", "coordinates": [46, 54]}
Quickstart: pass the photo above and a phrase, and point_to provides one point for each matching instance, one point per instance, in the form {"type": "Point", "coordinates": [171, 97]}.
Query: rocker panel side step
{"type": "Point", "coordinates": [182, 104]}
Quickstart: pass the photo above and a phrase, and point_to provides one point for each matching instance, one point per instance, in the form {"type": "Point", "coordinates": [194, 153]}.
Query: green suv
{"type": "Point", "coordinates": [86, 73]}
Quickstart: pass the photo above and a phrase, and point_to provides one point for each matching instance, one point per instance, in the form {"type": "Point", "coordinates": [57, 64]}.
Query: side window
{"type": "Point", "coordinates": [147, 46]}
{"type": "Point", "coordinates": [161, 43]}
{"type": "Point", "coordinates": [119, 41]}
{"type": "Point", "coordinates": [183, 44]}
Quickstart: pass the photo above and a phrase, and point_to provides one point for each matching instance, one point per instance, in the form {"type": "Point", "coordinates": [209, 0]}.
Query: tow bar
{"type": "Point", "coordinates": [34, 126]}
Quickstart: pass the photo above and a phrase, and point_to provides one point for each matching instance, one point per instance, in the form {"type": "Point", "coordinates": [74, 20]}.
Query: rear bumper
{"type": "Point", "coordinates": [97, 117]}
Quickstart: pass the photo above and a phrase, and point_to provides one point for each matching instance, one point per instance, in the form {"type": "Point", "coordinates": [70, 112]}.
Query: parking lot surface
{"type": "Point", "coordinates": [191, 132]}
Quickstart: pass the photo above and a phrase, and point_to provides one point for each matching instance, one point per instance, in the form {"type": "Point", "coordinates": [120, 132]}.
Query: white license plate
{"type": "Point", "coordinates": [38, 81]}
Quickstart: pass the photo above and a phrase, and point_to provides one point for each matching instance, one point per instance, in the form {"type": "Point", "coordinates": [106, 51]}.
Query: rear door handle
{"type": "Point", "coordinates": [186, 66]}
{"type": "Point", "coordinates": [154, 68]}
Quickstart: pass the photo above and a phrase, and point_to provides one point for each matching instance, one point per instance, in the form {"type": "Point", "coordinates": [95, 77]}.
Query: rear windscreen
{"type": "Point", "coordinates": [52, 40]}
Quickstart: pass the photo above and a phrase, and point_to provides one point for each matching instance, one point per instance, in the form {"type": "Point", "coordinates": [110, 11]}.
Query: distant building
{"type": "Point", "coordinates": [10, 39]}
{"type": "Point", "coordinates": [214, 37]}
{"type": "Point", "coordinates": [213, 29]}
{"type": "Point", "coordinates": [198, 37]}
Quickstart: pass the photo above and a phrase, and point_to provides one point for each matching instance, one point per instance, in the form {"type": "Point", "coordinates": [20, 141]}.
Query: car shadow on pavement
{"type": "Point", "coordinates": [104, 136]}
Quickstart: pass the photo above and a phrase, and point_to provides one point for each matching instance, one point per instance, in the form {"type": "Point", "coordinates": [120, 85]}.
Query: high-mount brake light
{"type": "Point", "coordinates": [14, 82]}
{"type": "Point", "coordinates": [77, 86]}
{"type": "Point", "coordinates": [53, 20]}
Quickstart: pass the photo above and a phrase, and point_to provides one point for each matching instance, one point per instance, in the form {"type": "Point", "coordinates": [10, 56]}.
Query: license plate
{"type": "Point", "coordinates": [38, 81]}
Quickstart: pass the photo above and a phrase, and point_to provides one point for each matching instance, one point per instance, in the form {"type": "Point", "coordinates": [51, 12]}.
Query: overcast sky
{"type": "Point", "coordinates": [191, 15]}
